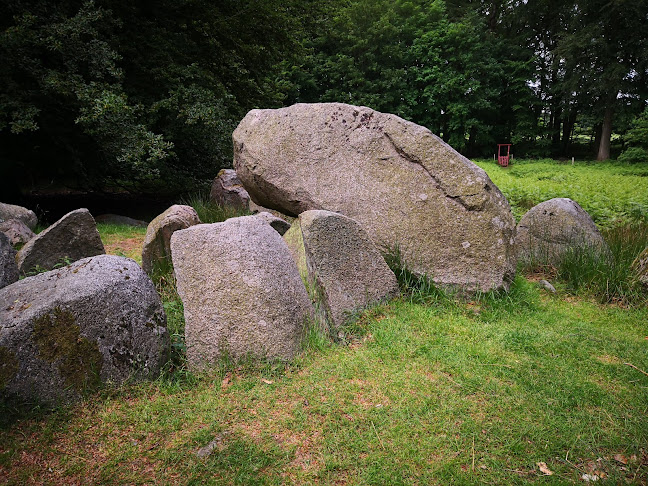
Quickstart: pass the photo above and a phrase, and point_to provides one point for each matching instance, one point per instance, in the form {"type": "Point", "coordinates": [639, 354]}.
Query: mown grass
{"type": "Point", "coordinates": [612, 193]}
{"type": "Point", "coordinates": [472, 393]}
{"type": "Point", "coordinates": [431, 388]}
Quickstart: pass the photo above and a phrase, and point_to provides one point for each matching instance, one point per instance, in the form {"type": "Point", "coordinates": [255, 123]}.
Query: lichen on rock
{"type": "Point", "coordinates": [59, 341]}
{"type": "Point", "coordinates": [8, 366]}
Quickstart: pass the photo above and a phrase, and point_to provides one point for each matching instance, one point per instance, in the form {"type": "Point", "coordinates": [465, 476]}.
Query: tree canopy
{"type": "Point", "coordinates": [110, 94]}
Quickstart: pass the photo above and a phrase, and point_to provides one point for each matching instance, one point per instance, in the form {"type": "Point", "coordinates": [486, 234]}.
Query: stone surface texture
{"type": "Point", "coordinates": [122, 220]}
{"type": "Point", "coordinates": [67, 331]}
{"type": "Point", "coordinates": [157, 242]}
{"type": "Point", "coordinates": [227, 190]}
{"type": "Point", "coordinates": [241, 291]}
{"type": "Point", "coordinates": [8, 265]}
{"type": "Point", "coordinates": [17, 231]}
{"type": "Point", "coordinates": [72, 238]}
{"type": "Point", "coordinates": [550, 229]}
{"type": "Point", "coordinates": [11, 211]}
{"type": "Point", "coordinates": [349, 271]}
{"type": "Point", "coordinates": [404, 185]}
{"type": "Point", "coordinates": [279, 225]}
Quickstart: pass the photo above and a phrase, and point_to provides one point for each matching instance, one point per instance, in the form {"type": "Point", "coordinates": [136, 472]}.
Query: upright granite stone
{"type": "Point", "coordinates": [11, 211]}
{"type": "Point", "coordinates": [405, 186]}
{"type": "Point", "coordinates": [241, 291]}
{"type": "Point", "coordinates": [227, 190]}
{"type": "Point", "coordinates": [8, 266]}
{"type": "Point", "coordinates": [65, 332]}
{"type": "Point", "coordinates": [349, 271]}
{"type": "Point", "coordinates": [17, 231]}
{"type": "Point", "coordinates": [157, 243]}
{"type": "Point", "coordinates": [71, 238]}
{"type": "Point", "coordinates": [550, 229]}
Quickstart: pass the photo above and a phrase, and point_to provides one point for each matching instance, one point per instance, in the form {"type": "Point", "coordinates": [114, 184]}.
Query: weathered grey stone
{"type": "Point", "coordinates": [17, 231]}
{"type": "Point", "coordinates": [550, 229]}
{"type": "Point", "coordinates": [241, 291]}
{"type": "Point", "coordinates": [279, 225]}
{"type": "Point", "coordinates": [11, 211]}
{"type": "Point", "coordinates": [157, 242]}
{"type": "Point", "coordinates": [640, 267]}
{"type": "Point", "coordinates": [404, 185]}
{"type": "Point", "coordinates": [227, 190]}
{"type": "Point", "coordinates": [349, 271]}
{"type": "Point", "coordinates": [547, 286]}
{"type": "Point", "coordinates": [256, 209]}
{"type": "Point", "coordinates": [122, 220]}
{"type": "Point", "coordinates": [71, 238]}
{"type": "Point", "coordinates": [8, 266]}
{"type": "Point", "coordinates": [64, 332]}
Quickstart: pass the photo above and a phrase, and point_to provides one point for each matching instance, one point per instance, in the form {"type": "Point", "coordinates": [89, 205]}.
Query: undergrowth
{"type": "Point", "coordinates": [210, 212]}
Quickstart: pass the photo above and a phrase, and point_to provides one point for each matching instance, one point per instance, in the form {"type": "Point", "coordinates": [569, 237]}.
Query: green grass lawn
{"type": "Point", "coordinates": [502, 389]}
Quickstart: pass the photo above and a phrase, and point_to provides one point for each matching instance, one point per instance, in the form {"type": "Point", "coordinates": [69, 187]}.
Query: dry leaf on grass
{"type": "Point", "coordinates": [267, 382]}
{"type": "Point", "coordinates": [544, 469]}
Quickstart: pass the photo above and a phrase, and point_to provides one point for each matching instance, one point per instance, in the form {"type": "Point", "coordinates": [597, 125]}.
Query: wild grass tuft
{"type": "Point", "coordinates": [418, 289]}
{"type": "Point", "coordinates": [211, 212]}
{"type": "Point", "coordinates": [609, 277]}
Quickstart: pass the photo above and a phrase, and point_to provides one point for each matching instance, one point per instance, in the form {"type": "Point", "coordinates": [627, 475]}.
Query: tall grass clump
{"type": "Point", "coordinates": [418, 289]}
{"type": "Point", "coordinates": [608, 276]}
{"type": "Point", "coordinates": [210, 212]}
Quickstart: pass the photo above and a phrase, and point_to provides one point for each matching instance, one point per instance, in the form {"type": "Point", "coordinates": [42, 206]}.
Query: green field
{"type": "Point", "coordinates": [611, 192]}
{"type": "Point", "coordinates": [504, 388]}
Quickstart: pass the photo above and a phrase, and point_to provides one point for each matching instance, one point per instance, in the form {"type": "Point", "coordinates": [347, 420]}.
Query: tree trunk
{"type": "Point", "coordinates": [606, 135]}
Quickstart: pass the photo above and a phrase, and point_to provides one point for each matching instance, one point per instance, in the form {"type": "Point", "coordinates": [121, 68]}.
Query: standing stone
{"type": "Point", "coordinates": [241, 291]}
{"type": "Point", "coordinates": [349, 271]}
{"type": "Point", "coordinates": [554, 227]}
{"type": "Point", "coordinates": [17, 231]}
{"type": "Point", "coordinates": [405, 186]}
{"type": "Point", "coordinates": [64, 332]}
{"type": "Point", "coordinates": [11, 211]}
{"type": "Point", "coordinates": [157, 243]}
{"type": "Point", "coordinates": [227, 190]}
{"type": "Point", "coordinates": [8, 266]}
{"type": "Point", "coordinates": [71, 238]}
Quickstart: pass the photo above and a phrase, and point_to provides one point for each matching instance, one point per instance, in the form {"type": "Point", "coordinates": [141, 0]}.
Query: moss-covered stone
{"type": "Point", "coordinates": [8, 366]}
{"type": "Point", "coordinates": [59, 341]}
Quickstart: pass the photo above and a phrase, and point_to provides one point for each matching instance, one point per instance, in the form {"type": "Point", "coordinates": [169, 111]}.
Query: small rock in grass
{"type": "Point", "coordinates": [547, 286]}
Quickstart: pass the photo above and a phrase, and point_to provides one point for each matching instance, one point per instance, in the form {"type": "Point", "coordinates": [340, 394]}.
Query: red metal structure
{"type": "Point", "coordinates": [502, 159]}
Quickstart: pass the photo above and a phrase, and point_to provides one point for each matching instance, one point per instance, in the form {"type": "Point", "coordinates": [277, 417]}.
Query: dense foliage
{"type": "Point", "coordinates": [99, 94]}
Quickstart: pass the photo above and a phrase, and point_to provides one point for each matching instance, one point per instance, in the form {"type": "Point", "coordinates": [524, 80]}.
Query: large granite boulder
{"type": "Point", "coordinates": [344, 264]}
{"type": "Point", "coordinates": [157, 242]}
{"type": "Point", "coordinates": [66, 331]}
{"type": "Point", "coordinates": [8, 266]}
{"type": "Point", "coordinates": [405, 186]}
{"type": "Point", "coordinates": [241, 291]}
{"type": "Point", "coordinates": [71, 238]}
{"type": "Point", "coordinates": [227, 190]}
{"type": "Point", "coordinates": [17, 231]}
{"type": "Point", "coordinates": [554, 227]}
{"type": "Point", "coordinates": [11, 211]}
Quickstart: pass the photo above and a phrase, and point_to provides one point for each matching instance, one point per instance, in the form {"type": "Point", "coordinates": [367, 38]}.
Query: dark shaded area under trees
{"type": "Point", "coordinates": [110, 95]}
